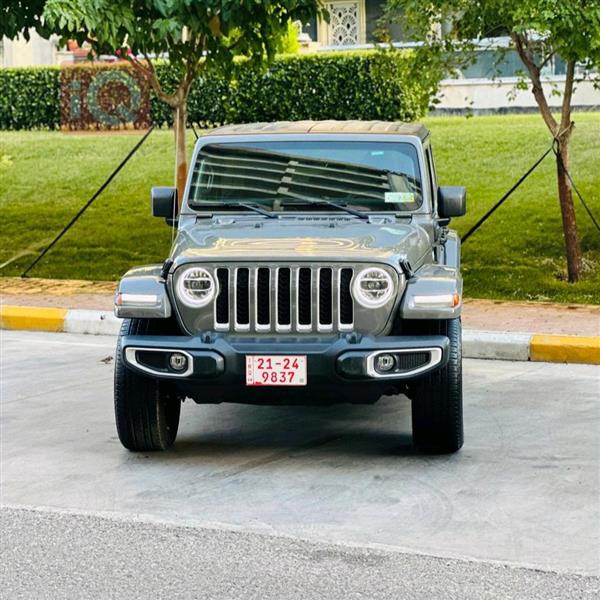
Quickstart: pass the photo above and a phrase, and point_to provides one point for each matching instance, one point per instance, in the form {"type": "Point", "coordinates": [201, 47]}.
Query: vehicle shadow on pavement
{"type": "Point", "coordinates": [356, 443]}
{"type": "Point", "coordinates": [225, 431]}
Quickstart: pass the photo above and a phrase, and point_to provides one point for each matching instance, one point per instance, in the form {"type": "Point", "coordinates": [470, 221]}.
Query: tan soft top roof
{"type": "Point", "coordinates": [280, 127]}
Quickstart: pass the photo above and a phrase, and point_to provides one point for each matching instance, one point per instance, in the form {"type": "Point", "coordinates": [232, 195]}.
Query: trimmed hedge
{"type": "Point", "coordinates": [350, 85]}
{"type": "Point", "coordinates": [30, 98]}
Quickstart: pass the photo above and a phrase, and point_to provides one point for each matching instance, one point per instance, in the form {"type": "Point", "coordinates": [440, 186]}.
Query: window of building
{"type": "Point", "coordinates": [346, 25]}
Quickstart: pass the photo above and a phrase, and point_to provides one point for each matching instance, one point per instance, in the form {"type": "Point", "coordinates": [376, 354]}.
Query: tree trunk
{"type": "Point", "coordinates": [565, 194]}
{"type": "Point", "coordinates": [179, 128]}
{"type": "Point", "coordinates": [562, 133]}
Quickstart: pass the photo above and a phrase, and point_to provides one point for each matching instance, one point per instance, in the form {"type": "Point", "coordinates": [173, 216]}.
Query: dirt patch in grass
{"type": "Point", "coordinates": [59, 293]}
{"type": "Point", "coordinates": [53, 287]}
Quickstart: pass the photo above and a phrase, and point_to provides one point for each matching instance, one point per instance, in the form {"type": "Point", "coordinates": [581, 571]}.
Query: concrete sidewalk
{"type": "Point", "coordinates": [492, 329]}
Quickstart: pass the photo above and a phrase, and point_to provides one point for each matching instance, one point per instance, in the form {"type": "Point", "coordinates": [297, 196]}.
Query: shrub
{"type": "Point", "coordinates": [289, 44]}
{"type": "Point", "coordinates": [365, 85]}
{"type": "Point", "coordinates": [387, 85]}
{"type": "Point", "coordinates": [30, 98]}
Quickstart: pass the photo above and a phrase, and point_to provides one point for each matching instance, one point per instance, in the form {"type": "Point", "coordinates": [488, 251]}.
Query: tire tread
{"type": "Point", "coordinates": [437, 407]}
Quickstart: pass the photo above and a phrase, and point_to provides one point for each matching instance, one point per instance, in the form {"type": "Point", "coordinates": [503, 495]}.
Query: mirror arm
{"type": "Point", "coordinates": [166, 268]}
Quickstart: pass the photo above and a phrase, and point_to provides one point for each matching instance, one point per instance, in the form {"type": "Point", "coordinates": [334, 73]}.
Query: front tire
{"type": "Point", "coordinates": [146, 409]}
{"type": "Point", "coordinates": [437, 406]}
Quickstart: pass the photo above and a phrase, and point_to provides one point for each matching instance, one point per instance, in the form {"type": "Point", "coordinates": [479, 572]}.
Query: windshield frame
{"type": "Point", "coordinates": [426, 203]}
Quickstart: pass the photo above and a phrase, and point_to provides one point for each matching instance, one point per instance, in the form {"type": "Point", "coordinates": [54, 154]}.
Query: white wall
{"type": "Point", "coordinates": [22, 53]}
{"type": "Point", "coordinates": [484, 95]}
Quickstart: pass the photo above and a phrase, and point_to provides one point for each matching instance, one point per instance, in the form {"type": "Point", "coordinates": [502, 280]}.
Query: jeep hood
{"type": "Point", "coordinates": [291, 239]}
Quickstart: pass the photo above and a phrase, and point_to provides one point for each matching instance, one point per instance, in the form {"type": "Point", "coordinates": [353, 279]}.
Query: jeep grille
{"type": "Point", "coordinates": [284, 298]}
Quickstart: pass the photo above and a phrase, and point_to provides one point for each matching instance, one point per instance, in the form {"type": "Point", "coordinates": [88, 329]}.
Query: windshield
{"type": "Point", "coordinates": [286, 175]}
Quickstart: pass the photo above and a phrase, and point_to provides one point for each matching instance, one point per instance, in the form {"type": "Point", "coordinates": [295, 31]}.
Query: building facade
{"type": "Point", "coordinates": [351, 23]}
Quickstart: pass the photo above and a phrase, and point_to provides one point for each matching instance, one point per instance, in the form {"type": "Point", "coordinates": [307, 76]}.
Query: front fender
{"type": "Point", "coordinates": [142, 294]}
{"type": "Point", "coordinates": [451, 250]}
{"type": "Point", "coordinates": [434, 292]}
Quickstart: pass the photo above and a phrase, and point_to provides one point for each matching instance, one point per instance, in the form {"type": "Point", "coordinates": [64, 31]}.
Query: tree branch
{"type": "Point", "coordinates": [545, 61]}
{"type": "Point", "coordinates": [136, 64]}
{"type": "Point", "coordinates": [153, 79]}
{"type": "Point", "coordinates": [534, 73]}
{"type": "Point", "coordinates": [235, 44]}
{"type": "Point", "coordinates": [565, 113]}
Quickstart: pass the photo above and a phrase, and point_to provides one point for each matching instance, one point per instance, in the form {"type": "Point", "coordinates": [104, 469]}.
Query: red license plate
{"type": "Point", "coordinates": [275, 369]}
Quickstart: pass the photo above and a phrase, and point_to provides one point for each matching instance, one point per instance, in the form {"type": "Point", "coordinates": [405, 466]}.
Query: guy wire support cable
{"type": "Point", "coordinates": [556, 148]}
{"type": "Point", "coordinates": [489, 213]}
{"type": "Point", "coordinates": [88, 203]}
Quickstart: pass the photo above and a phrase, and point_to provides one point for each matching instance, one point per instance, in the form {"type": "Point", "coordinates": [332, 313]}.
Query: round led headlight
{"type": "Point", "coordinates": [372, 287]}
{"type": "Point", "coordinates": [196, 287]}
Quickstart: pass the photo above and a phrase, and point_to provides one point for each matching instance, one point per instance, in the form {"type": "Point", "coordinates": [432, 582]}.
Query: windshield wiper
{"type": "Point", "coordinates": [322, 201]}
{"type": "Point", "coordinates": [247, 205]}
{"type": "Point", "coordinates": [257, 209]}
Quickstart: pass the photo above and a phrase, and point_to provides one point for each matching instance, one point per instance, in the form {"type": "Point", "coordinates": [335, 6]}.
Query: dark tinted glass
{"type": "Point", "coordinates": [276, 174]}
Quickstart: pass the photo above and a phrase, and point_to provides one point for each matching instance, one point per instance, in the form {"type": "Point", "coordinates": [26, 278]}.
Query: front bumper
{"type": "Point", "coordinates": [216, 363]}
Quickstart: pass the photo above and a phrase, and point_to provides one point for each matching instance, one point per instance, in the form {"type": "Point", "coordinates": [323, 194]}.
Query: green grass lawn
{"type": "Point", "coordinates": [518, 254]}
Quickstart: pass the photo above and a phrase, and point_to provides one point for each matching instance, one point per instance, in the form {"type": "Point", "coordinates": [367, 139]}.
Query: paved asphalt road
{"type": "Point", "coordinates": [279, 502]}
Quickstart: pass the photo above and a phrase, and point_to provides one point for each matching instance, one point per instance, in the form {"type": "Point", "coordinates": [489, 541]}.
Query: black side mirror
{"type": "Point", "coordinates": [164, 202]}
{"type": "Point", "coordinates": [452, 201]}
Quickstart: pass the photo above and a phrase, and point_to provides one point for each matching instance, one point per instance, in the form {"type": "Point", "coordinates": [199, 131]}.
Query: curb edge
{"type": "Point", "coordinates": [497, 345]}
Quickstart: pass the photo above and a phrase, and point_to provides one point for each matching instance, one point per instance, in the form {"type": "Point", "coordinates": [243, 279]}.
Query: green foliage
{"type": "Point", "coordinates": [18, 16]}
{"type": "Point", "coordinates": [361, 85]}
{"type": "Point", "coordinates": [30, 98]}
{"type": "Point", "coordinates": [288, 43]}
{"type": "Point", "coordinates": [214, 29]}
{"type": "Point", "coordinates": [375, 85]}
{"type": "Point", "coordinates": [567, 28]}
{"type": "Point", "coordinates": [517, 254]}
{"type": "Point", "coordinates": [570, 28]}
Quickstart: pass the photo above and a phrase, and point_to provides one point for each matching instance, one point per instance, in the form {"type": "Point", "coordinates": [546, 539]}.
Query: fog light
{"type": "Point", "coordinates": [385, 362]}
{"type": "Point", "coordinates": [178, 361]}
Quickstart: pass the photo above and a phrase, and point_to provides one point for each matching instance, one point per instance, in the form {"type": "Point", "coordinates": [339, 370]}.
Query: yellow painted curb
{"type": "Point", "coordinates": [33, 318]}
{"type": "Point", "coordinates": [565, 348]}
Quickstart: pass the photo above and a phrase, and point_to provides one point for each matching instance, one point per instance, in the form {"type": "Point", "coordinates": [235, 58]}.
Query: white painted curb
{"type": "Point", "coordinates": [94, 322]}
{"type": "Point", "coordinates": [499, 345]}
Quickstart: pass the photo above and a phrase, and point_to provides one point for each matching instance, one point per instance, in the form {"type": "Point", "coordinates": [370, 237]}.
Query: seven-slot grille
{"type": "Point", "coordinates": [286, 298]}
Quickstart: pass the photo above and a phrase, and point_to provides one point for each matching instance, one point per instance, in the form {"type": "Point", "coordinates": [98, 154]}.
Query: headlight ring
{"type": "Point", "coordinates": [372, 287]}
{"type": "Point", "coordinates": [196, 287]}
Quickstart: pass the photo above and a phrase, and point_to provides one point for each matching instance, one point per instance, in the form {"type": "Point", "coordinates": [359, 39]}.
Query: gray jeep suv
{"type": "Point", "coordinates": [312, 264]}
